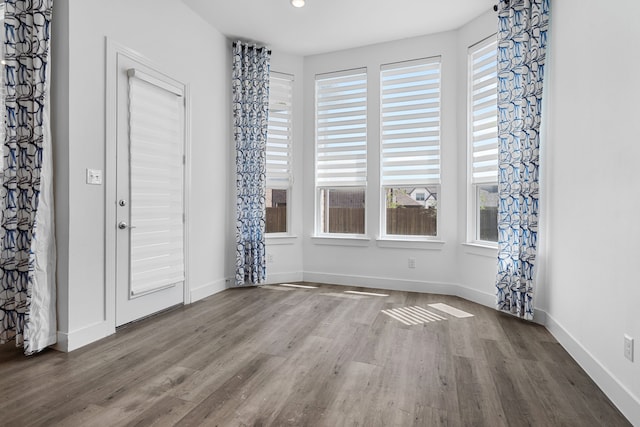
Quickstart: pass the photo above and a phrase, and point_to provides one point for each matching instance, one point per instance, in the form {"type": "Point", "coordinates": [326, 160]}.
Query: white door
{"type": "Point", "coordinates": [150, 191]}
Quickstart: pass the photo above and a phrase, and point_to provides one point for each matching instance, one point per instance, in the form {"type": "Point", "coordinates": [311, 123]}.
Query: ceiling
{"type": "Point", "coordinates": [329, 25]}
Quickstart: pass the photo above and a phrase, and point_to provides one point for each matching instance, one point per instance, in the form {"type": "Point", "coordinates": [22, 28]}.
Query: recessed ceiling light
{"type": "Point", "coordinates": [297, 3]}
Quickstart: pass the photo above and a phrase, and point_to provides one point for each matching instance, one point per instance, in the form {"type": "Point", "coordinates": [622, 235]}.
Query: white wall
{"type": "Point", "coordinates": [443, 267]}
{"type": "Point", "coordinates": [174, 38]}
{"type": "Point", "coordinates": [594, 191]}
{"type": "Point", "coordinates": [60, 139]}
{"type": "Point", "coordinates": [476, 272]}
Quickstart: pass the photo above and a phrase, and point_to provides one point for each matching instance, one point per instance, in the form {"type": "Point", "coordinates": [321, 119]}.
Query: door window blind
{"type": "Point", "coordinates": [410, 122]}
{"type": "Point", "coordinates": [156, 181]}
{"type": "Point", "coordinates": [483, 96]}
{"type": "Point", "coordinates": [341, 128]}
{"type": "Point", "coordinates": [279, 133]}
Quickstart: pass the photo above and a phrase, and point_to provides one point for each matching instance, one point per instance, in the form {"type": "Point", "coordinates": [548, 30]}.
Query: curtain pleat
{"type": "Point", "coordinates": [27, 254]}
{"type": "Point", "coordinates": [522, 42]}
{"type": "Point", "coordinates": [250, 119]}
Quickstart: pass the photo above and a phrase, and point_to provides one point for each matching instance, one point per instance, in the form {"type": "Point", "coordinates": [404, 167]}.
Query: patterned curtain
{"type": "Point", "coordinates": [522, 42]}
{"type": "Point", "coordinates": [27, 254]}
{"type": "Point", "coordinates": [250, 115]}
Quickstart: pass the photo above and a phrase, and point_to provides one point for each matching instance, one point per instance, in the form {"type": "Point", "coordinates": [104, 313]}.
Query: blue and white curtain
{"type": "Point", "coordinates": [522, 43]}
{"type": "Point", "coordinates": [27, 247]}
{"type": "Point", "coordinates": [250, 115]}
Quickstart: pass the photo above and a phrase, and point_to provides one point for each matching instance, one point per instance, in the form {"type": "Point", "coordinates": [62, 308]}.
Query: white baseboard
{"type": "Point", "coordinates": [489, 300]}
{"type": "Point", "coordinates": [293, 276]}
{"type": "Point", "coordinates": [380, 283]}
{"type": "Point", "coordinates": [621, 396]}
{"type": "Point", "coordinates": [441, 288]}
{"type": "Point", "coordinates": [208, 289]}
{"type": "Point", "coordinates": [69, 341]}
{"type": "Point", "coordinates": [474, 295]}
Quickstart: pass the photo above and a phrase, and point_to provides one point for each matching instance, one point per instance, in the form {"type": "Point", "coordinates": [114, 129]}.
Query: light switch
{"type": "Point", "coordinates": [94, 176]}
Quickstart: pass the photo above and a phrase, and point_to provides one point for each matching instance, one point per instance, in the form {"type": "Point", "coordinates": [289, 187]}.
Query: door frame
{"type": "Point", "coordinates": [113, 51]}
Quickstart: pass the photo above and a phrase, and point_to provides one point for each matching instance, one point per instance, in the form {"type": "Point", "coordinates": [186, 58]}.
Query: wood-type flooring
{"type": "Point", "coordinates": [280, 356]}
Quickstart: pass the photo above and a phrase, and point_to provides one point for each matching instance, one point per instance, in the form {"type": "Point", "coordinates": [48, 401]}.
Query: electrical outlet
{"type": "Point", "coordinates": [269, 258]}
{"type": "Point", "coordinates": [94, 176]}
{"type": "Point", "coordinates": [628, 347]}
{"type": "Point", "coordinates": [412, 263]}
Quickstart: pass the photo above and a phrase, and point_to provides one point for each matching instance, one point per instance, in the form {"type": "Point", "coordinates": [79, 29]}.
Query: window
{"type": "Point", "coordinates": [279, 152]}
{"type": "Point", "coordinates": [341, 152]}
{"type": "Point", "coordinates": [410, 145]}
{"type": "Point", "coordinates": [483, 141]}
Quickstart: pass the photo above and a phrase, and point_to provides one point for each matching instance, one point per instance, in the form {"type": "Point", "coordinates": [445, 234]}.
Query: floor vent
{"type": "Point", "coordinates": [413, 315]}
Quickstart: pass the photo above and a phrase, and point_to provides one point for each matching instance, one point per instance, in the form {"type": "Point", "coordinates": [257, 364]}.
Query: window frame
{"type": "Point", "coordinates": [320, 187]}
{"type": "Point", "coordinates": [473, 187]}
{"type": "Point", "coordinates": [319, 214]}
{"type": "Point", "coordinates": [407, 237]}
{"type": "Point", "coordinates": [436, 59]}
{"type": "Point", "coordinates": [288, 186]}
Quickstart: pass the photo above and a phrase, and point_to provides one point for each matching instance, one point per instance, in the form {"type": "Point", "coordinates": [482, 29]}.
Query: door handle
{"type": "Point", "coordinates": [123, 225]}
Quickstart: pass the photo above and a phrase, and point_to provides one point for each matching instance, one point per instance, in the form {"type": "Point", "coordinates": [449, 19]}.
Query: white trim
{"type": "Point", "coordinates": [69, 341]}
{"type": "Point", "coordinates": [338, 240]}
{"type": "Point", "coordinates": [380, 283]}
{"type": "Point", "coordinates": [292, 276]}
{"type": "Point", "coordinates": [112, 49]}
{"type": "Point", "coordinates": [207, 290]}
{"type": "Point", "coordinates": [410, 243]}
{"type": "Point", "coordinates": [186, 194]}
{"type": "Point", "coordinates": [480, 249]}
{"type": "Point", "coordinates": [280, 238]}
{"type": "Point", "coordinates": [613, 388]}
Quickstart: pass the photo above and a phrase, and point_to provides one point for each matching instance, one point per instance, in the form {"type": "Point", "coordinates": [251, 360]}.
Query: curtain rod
{"type": "Point", "coordinates": [254, 47]}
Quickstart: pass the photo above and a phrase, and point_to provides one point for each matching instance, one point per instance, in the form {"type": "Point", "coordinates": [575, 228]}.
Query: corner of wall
{"type": "Point", "coordinates": [69, 341]}
{"type": "Point", "coordinates": [60, 138]}
{"type": "Point", "coordinates": [209, 289]}
{"type": "Point", "coordinates": [616, 391]}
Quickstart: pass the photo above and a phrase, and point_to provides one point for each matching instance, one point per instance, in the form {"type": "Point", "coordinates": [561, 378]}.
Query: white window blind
{"type": "Point", "coordinates": [156, 181]}
{"type": "Point", "coordinates": [483, 98]}
{"type": "Point", "coordinates": [279, 133]}
{"type": "Point", "coordinates": [410, 121]}
{"type": "Point", "coordinates": [341, 128]}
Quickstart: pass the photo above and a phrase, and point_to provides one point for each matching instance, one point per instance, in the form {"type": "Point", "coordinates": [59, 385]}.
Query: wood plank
{"type": "Point", "coordinates": [258, 356]}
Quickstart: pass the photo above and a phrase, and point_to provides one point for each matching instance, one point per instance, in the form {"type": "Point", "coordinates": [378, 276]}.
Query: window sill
{"type": "Point", "coordinates": [347, 240]}
{"type": "Point", "coordinates": [481, 249]}
{"type": "Point", "coordinates": [426, 244]}
{"type": "Point", "coordinates": [280, 239]}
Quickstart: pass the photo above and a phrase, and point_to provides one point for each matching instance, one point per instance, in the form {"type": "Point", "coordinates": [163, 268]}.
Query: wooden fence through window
{"type": "Point", "coordinates": [400, 221]}
{"type": "Point", "coordinates": [276, 220]}
{"type": "Point", "coordinates": [412, 221]}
